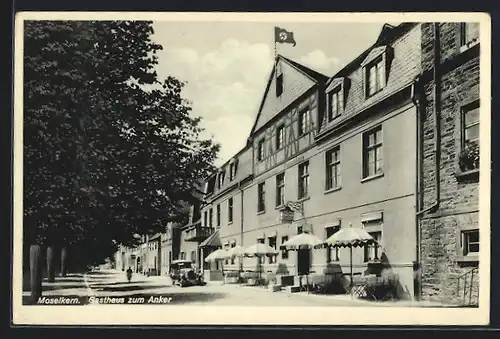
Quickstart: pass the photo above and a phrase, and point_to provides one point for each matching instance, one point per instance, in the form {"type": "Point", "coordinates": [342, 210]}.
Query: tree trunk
{"type": "Point", "coordinates": [36, 276]}
{"type": "Point", "coordinates": [64, 253]}
{"type": "Point", "coordinates": [50, 264]}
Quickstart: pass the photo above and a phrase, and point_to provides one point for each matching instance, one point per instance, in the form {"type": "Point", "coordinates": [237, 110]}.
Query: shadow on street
{"type": "Point", "coordinates": [127, 288]}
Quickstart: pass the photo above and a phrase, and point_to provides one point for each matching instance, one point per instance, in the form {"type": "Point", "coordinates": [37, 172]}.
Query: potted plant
{"type": "Point", "coordinates": [469, 157]}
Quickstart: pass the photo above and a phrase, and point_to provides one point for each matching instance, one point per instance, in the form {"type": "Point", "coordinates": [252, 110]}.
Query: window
{"type": "Point", "coordinates": [261, 203]}
{"type": "Point", "coordinates": [336, 103]}
{"type": "Point", "coordinates": [284, 252]}
{"type": "Point", "coordinates": [218, 215]}
{"type": "Point", "coordinates": [230, 210]}
{"type": "Point", "coordinates": [279, 85]}
{"type": "Point", "coordinates": [329, 250]}
{"type": "Point", "coordinates": [299, 229]}
{"type": "Point", "coordinates": [373, 251]}
{"type": "Point", "coordinates": [304, 121]}
{"type": "Point", "coordinates": [260, 150]}
{"type": "Point", "coordinates": [470, 242]}
{"type": "Point", "coordinates": [221, 179]}
{"type": "Point", "coordinates": [333, 168]}
{"type": "Point", "coordinates": [375, 77]}
{"type": "Point", "coordinates": [303, 180]}
{"type": "Point", "coordinates": [372, 152]}
{"type": "Point", "coordinates": [231, 171]}
{"type": "Point", "coordinates": [183, 255]}
{"type": "Point", "coordinates": [193, 256]}
{"type": "Point", "coordinates": [469, 33]}
{"type": "Point", "coordinates": [470, 124]}
{"type": "Point", "coordinates": [205, 219]}
{"type": "Point", "coordinates": [280, 189]}
{"type": "Point", "coordinates": [272, 244]}
{"type": "Point", "coordinates": [210, 218]}
{"type": "Point", "coordinates": [260, 240]}
{"type": "Point", "coordinates": [280, 135]}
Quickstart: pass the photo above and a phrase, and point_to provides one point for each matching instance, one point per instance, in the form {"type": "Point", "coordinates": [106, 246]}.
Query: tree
{"type": "Point", "coordinates": [110, 150]}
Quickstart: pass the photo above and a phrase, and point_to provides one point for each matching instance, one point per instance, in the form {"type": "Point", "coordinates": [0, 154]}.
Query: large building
{"type": "Point", "coordinates": [449, 163]}
{"type": "Point", "coordinates": [342, 150]}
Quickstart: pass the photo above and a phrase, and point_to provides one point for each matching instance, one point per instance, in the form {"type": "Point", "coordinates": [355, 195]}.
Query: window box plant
{"type": "Point", "coordinates": [468, 159]}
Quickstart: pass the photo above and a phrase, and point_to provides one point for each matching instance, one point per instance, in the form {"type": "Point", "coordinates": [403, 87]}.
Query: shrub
{"type": "Point", "coordinates": [469, 157]}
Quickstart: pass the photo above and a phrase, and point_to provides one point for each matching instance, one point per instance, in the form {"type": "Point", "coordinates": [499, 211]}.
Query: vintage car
{"type": "Point", "coordinates": [184, 274]}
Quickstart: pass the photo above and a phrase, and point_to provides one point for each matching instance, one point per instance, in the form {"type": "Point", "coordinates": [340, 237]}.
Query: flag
{"type": "Point", "coordinates": [283, 36]}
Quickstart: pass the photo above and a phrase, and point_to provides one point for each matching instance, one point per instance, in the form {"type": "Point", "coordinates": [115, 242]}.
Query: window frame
{"type": "Point", "coordinates": [218, 215]}
{"type": "Point", "coordinates": [338, 93]}
{"type": "Point", "coordinates": [280, 137]}
{"type": "Point", "coordinates": [376, 246]}
{"type": "Point", "coordinates": [303, 124]}
{"type": "Point", "coordinates": [465, 109]}
{"type": "Point", "coordinates": [230, 210]}
{"type": "Point", "coordinates": [330, 165]}
{"type": "Point", "coordinates": [464, 42]}
{"type": "Point", "coordinates": [272, 258]}
{"type": "Point", "coordinates": [301, 193]}
{"type": "Point", "coordinates": [465, 243]}
{"type": "Point", "coordinates": [210, 217]}
{"type": "Point", "coordinates": [377, 148]}
{"type": "Point", "coordinates": [261, 197]}
{"type": "Point", "coordinates": [284, 251]}
{"type": "Point", "coordinates": [231, 171]}
{"type": "Point", "coordinates": [280, 189]}
{"type": "Point", "coordinates": [335, 229]}
{"type": "Point", "coordinates": [260, 149]}
{"type": "Point", "coordinates": [380, 78]}
{"type": "Point", "coordinates": [279, 85]}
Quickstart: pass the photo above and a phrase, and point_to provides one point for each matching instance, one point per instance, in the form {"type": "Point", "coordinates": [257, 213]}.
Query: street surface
{"type": "Point", "coordinates": [111, 286]}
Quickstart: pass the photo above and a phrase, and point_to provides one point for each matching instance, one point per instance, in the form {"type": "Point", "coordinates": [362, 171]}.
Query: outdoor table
{"type": "Point", "coordinates": [373, 287]}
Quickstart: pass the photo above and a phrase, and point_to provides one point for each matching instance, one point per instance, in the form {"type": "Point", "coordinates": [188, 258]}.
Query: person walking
{"type": "Point", "coordinates": [129, 274]}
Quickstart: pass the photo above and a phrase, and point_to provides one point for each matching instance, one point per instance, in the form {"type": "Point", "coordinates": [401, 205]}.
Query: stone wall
{"type": "Point", "coordinates": [441, 252]}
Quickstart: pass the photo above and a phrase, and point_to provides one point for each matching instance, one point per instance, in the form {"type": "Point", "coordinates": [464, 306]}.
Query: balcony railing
{"type": "Point", "coordinates": [197, 233]}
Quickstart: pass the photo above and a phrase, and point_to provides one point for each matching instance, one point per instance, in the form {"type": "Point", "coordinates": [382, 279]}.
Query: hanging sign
{"type": "Point", "coordinates": [286, 216]}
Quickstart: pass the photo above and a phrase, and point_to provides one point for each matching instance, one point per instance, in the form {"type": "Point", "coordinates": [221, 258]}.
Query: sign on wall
{"type": "Point", "coordinates": [286, 216]}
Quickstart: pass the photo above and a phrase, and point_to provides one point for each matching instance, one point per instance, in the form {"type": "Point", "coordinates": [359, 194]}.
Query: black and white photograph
{"type": "Point", "coordinates": [274, 168]}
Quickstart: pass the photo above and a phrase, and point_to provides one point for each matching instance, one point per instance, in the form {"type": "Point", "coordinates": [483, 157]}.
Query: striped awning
{"type": "Point", "coordinates": [212, 241]}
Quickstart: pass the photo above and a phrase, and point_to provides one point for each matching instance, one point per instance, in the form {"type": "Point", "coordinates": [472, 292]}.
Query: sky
{"type": "Point", "coordinates": [226, 65]}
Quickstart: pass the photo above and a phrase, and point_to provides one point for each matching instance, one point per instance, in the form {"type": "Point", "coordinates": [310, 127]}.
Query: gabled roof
{"type": "Point", "coordinates": [310, 73]}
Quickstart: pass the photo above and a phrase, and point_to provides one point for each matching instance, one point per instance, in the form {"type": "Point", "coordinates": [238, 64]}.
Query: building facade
{"type": "Point", "coordinates": [343, 150]}
{"type": "Point", "coordinates": [450, 153]}
{"type": "Point", "coordinates": [388, 144]}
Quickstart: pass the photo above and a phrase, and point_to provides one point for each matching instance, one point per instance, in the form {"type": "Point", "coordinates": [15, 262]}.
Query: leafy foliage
{"type": "Point", "coordinates": [110, 150]}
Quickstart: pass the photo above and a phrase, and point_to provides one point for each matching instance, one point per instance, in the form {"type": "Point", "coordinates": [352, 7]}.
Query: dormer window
{"type": "Point", "coordinates": [375, 77]}
{"type": "Point", "coordinates": [376, 70]}
{"type": "Point", "coordinates": [336, 103]}
{"type": "Point", "coordinates": [220, 182]}
{"type": "Point", "coordinates": [279, 84]}
{"type": "Point", "coordinates": [336, 97]}
{"type": "Point", "coordinates": [232, 169]}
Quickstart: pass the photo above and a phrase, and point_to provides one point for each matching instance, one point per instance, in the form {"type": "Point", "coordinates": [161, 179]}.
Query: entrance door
{"type": "Point", "coordinates": [303, 261]}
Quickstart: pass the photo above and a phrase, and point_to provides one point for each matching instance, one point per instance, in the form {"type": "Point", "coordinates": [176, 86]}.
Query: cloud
{"type": "Point", "coordinates": [318, 60]}
{"type": "Point", "coordinates": [224, 86]}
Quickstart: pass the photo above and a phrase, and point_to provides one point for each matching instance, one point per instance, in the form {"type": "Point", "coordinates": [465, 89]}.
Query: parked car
{"type": "Point", "coordinates": [184, 274]}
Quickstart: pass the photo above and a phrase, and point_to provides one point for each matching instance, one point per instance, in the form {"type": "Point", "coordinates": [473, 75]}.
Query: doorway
{"type": "Point", "coordinates": [303, 261]}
